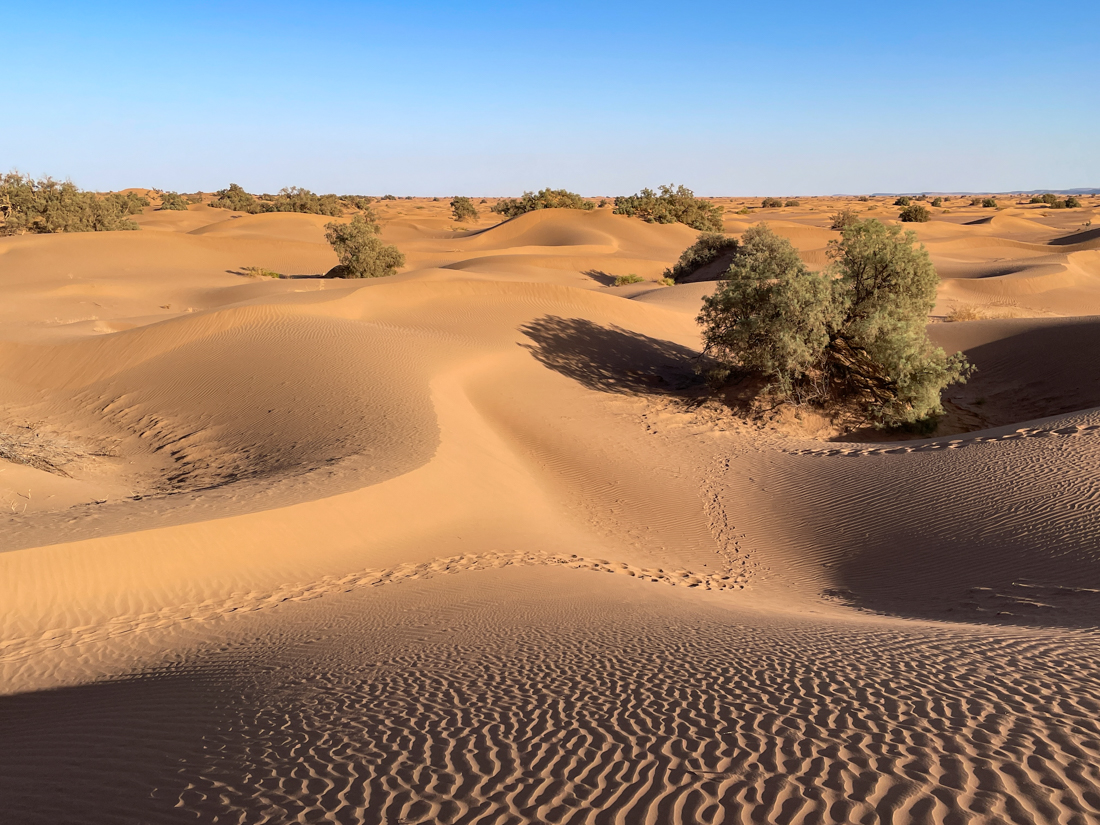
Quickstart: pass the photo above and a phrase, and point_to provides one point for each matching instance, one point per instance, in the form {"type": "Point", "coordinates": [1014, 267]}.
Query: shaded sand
{"type": "Point", "coordinates": [465, 545]}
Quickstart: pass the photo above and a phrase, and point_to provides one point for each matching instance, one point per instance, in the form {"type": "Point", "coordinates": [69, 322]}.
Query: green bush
{"type": "Point", "coordinates": [937, 202]}
{"type": "Point", "coordinates": [855, 332]}
{"type": "Point", "coordinates": [915, 213]}
{"type": "Point", "coordinates": [863, 199]}
{"type": "Point", "coordinates": [546, 199]}
{"type": "Point", "coordinates": [989, 203]}
{"type": "Point", "coordinates": [623, 280]}
{"type": "Point", "coordinates": [260, 272]}
{"type": "Point", "coordinates": [744, 210]}
{"type": "Point", "coordinates": [903, 201]}
{"type": "Point", "coordinates": [771, 203]}
{"type": "Point", "coordinates": [289, 199]}
{"type": "Point", "coordinates": [792, 203]}
{"type": "Point", "coordinates": [389, 197]}
{"type": "Point", "coordinates": [671, 205]}
{"type": "Point", "coordinates": [844, 218]}
{"type": "Point", "coordinates": [463, 209]}
{"type": "Point", "coordinates": [235, 199]}
{"type": "Point", "coordinates": [360, 250]}
{"type": "Point", "coordinates": [40, 206]}
{"type": "Point", "coordinates": [171, 201]}
{"type": "Point", "coordinates": [1073, 202]}
{"type": "Point", "coordinates": [708, 247]}
{"type": "Point", "coordinates": [976, 201]}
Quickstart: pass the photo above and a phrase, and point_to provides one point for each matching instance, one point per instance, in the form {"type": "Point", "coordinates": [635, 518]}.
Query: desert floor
{"type": "Point", "coordinates": [469, 544]}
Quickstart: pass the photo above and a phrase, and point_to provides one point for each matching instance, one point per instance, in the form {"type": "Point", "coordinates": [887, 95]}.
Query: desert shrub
{"type": "Point", "coordinates": [1047, 198]}
{"type": "Point", "coordinates": [602, 203]}
{"type": "Point", "coordinates": [863, 199]}
{"type": "Point", "coordinates": [844, 218]}
{"type": "Point", "coordinates": [545, 199]}
{"type": "Point", "coordinates": [666, 281]}
{"type": "Point", "coordinates": [389, 197]}
{"type": "Point", "coordinates": [903, 201]}
{"type": "Point", "coordinates": [937, 202]}
{"type": "Point", "coordinates": [356, 201]}
{"type": "Point", "coordinates": [671, 205]}
{"type": "Point", "coordinates": [976, 201]}
{"type": "Point", "coordinates": [360, 250]}
{"type": "Point", "coordinates": [855, 332]}
{"type": "Point", "coordinates": [483, 200]}
{"type": "Point", "coordinates": [792, 203]}
{"type": "Point", "coordinates": [296, 199]}
{"type": "Point", "coordinates": [172, 201]}
{"type": "Point", "coordinates": [744, 210]}
{"type": "Point", "coordinates": [1073, 202]}
{"type": "Point", "coordinates": [965, 312]}
{"type": "Point", "coordinates": [989, 203]}
{"type": "Point", "coordinates": [708, 247]}
{"type": "Point", "coordinates": [915, 213]}
{"type": "Point", "coordinates": [623, 280]}
{"type": "Point", "coordinates": [235, 199]}
{"type": "Point", "coordinates": [463, 209]}
{"type": "Point", "coordinates": [921, 198]}
{"type": "Point", "coordinates": [260, 272]}
{"type": "Point", "coordinates": [46, 205]}
{"type": "Point", "coordinates": [771, 203]}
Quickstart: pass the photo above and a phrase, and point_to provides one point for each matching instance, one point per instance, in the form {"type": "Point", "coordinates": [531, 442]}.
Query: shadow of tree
{"type": "Point", "coordinates": [611, 359]}
{"type": "Point", "coordinates": [600, 277]}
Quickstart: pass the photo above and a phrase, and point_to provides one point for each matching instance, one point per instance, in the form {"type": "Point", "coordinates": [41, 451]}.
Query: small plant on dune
{"type": "Point", "coordinates": [844, 218]}
{"type": "Point", "coordinates": [463, 209]}
{"type": "Point", "coordinates": [602, 203]}
{"type": "Point", "coordinates": [671, 204]}
{"type": "Point", "coordinates": [863, 199]}
{"type": "Point", "coordinates": [937, 202]}
{"type": "Point", "coordinates": [854, 333]}
{"type": "Point", "coordinates": [483, 200]}
{"type": "Point", "coordinates": [545, 199]}
{"type": "Point", "coordinates": [915, 213]}
{"type": "Point", "coordinates": [792, 203]}
{"type": "Point", "coordinates": [976, 201]}
{"type": "Point", "coordinates": [171, 201]}
{"type": "Point", "coordinates": [624, 280]}
{"type": "Point", "coordinates": [744, 210]}
{"type": "Point", "coordinates": [989, 203]}
{"type": "Point", "coordinates": [260, 272]}
{"type": "Point", "coordinates": [708, 248]}
{"type": "Point", "coordinates": [903, 201]}
{"type": "Point", "coordinates": [47, 205]}
{"type": "Point", "coordinates": [771, 203]}
{"type": "Point", "coordinates": [360, 250]}
{"type": "Point", "coordinates": [666, 281]}
{"type": "Point", "coordinates": [965, 312]}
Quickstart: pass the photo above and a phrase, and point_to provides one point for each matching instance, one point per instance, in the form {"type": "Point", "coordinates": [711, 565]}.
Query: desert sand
{"type": "Point", "coordinates": [469, 545]}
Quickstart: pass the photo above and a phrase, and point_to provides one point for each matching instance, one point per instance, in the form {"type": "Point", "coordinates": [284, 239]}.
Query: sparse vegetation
{"type": "Point", "coordinates": [989, 203]}
{"type": "Point", "coordinates": [844, 218]}
{"type": "Point", "coordinates": [389, 197]}
{"type": "Point", "coordinates": [666, 281]}
{"type": "Point", "coordinates": [708, 248]}
{"type": "Point", "coordinates": [863, 199]}
{"type": "Point", "coordinates": [937, 202]}
{"type": "Point", "coordinates": [171, 201]}
{"type": "Point", "coordinates": [853, 334]}
{"type": "Point", "coordinates": [545, 199]}
{"type": "Point", "coordinates": [672, 205]}
{"type": "Point", "coordinates": [744, 210]}
{"type": "Point", "coordinates": [360, 250]}
{"type": "Point", "coordinates": [463, 209]}
{"type": "Point", "coordinates": [792, 203]}
{"type": "Point", "coordinates": [976, 201]}
{"type": "Point", "coordinates": [915, 213]}
{"type": "Point", "coordinates": [903, 201]}
{"type": "Point", "coordinates": [624, 280]}
{"type": "Point", "coordinates": [260, 272]}
{"type": "Point", "coordinates": [771, 203]}
{"type": "Point", "coordinates": [289, 199]}
{"type": "Point", "coordinates": [47, 205]}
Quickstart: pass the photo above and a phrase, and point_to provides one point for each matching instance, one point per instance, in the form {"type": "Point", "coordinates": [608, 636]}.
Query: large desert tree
{"type": "Point", "coordinates": [855, 331]}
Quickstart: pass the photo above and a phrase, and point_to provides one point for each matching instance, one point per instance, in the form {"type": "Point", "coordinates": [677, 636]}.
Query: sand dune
{"type": "Point", "coordinates": [466, 545]}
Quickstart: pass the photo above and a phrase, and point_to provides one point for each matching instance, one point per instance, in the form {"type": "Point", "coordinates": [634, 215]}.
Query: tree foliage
{"type": "Point", "coordinates": [463, 209]}
{"type": "Point", "coordinates": [771, 203]}
{"type": "Point", "coordinates": [855, 331]}
{"type": "Point", "coordinates": [47, 205]}
{"type": "Point", "coordinates": [708, 248]}
{"type": "Point", "coordinates": [171, 201]}
{"type": "Point", "coordinates": [671, 205]}
{"type": "Point", "coordinates": [843, 218]}
{"type": "Point", "coordinates": [904, 200]}
{"type": "Point", "coordinates": [545, 199]}
{"type": "Point", "coordinates": [289, 199]}
{"type": "Point", "coordinates": [989, 203]}
{"type": "Point", "coordinates": [360, 250]}
{"type": "Point", "coordinates": [915, 213]}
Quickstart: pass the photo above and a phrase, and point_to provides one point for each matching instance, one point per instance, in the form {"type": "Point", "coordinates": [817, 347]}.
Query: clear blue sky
{"type": "Point", "coordinates": [435, 98]}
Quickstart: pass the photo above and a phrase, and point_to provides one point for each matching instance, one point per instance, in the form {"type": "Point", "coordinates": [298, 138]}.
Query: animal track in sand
{"type": "Point", "coordinates": [18, 649]}
{"type": "Point", "coordinates": [955, 443]}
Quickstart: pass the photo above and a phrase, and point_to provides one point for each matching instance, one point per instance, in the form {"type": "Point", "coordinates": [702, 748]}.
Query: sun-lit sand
{"type": "Point", "coordinates": [469, 544]}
